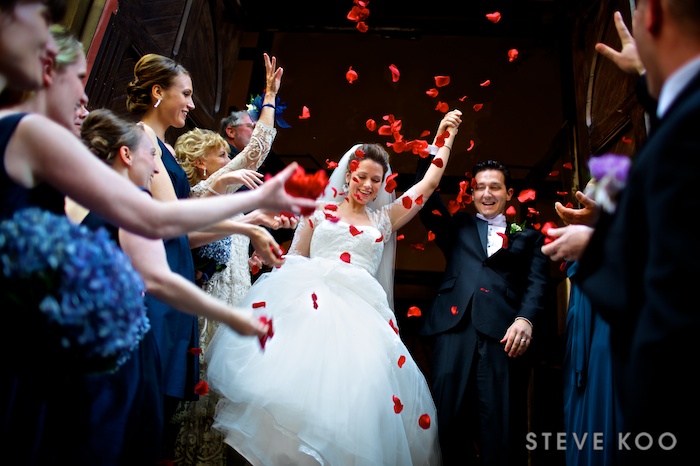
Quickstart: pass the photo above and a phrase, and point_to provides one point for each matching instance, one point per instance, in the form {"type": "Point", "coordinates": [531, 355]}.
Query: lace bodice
{"type": "Point", "coordinates": [251, 157]}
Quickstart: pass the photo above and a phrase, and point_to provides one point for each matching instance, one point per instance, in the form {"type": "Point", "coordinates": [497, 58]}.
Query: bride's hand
{"type": "Point", "coordinates": [451, 119]}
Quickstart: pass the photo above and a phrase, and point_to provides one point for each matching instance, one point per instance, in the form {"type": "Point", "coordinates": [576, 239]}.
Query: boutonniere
{"type": "Point", "coordinates": [514, 228]}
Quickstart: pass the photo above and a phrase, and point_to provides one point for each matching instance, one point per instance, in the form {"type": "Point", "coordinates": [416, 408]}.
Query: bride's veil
{"type": "Point", "coordinates": [385, 273]}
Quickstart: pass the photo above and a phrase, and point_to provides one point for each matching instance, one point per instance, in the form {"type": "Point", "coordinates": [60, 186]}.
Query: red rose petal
{"type": "Point", "coordinates": [436, 212]}
{"type": "Point", "coordinates": [391, 183]}
{"type": "Point", "coordinates": [478, 107]}
{"type": "Point", "coordinates": [331, 207]}
{"type": "Point", "coordinates": [407, 202]}
{"type": "Point", "coordinates": [301, 184]}
{"type": "Point", "coordinates": [345, 257]}
{"type": "Point", "coordinates": [195, 351]}
{"type": "Point", "coordinates": [395, 73]}
{"type": "Point", "coordinates": [431, 236]}
{"type": "Point", "coordinates": [567, 165]}
{"type": "Point", "coordinates": [360, 153]}
{"type": "Point", "coordinates": [471, 145]}
{"type": "Point", "coordinates": [512, 54]}
{"type": "Point", "coordinates": [484, 290]}
{"type": "Point", "coordinates": [414, 311]}
{"type": "Point", "coordinates": [442, 107]}
{"type": "Point", "coordinates": [305, 113]}
{"type": "Point", "coordinates": [398, 407]}
{"type": "Point", "coordinates": [424, 421]}
{"type": "Point", "coordinates": [526, 195]}
{"type": "Point", "coordinates": [442, 81]}
{"type": "Point", "coordinates": [362, 26]}
{"type": "Point", "coordinates": [380, 239]}
{"type": "Point", "coordinates": [494, 17]}
{"type": "Point", "coordinates": [510, 211]}
{"type": "Point", "coordinates": [432, 92]}
{"type": "Point", "coordinates": [202, 388]}
{"type": "Point", "coordinates": [351, 75]}
{"type": "Point", "coordinates": [354, 231]}
{"type": "Point", "coordinates": [438, 163]}
{"type": "Point", "coordinates": [394, 327]}
{"type": "Point", "coordinates": [371, 125]}
{"type": "Point", "coordinates": [254, 269]}
{"type": "Point", "coordinates": [352, 166]}
{"type": "Point", "coordinates": [259, 304]}
{"type": "Point", "coordinates": [419, 200]}
{"type": "Point", "coordinates": [402, 361]}
{"type": "Point", "coordinates": [331, 165]}
{"type": "Point", "coordinates": [453, 310]}
{"type": "Point", "coordinates": [399, 237]}
{"type": "Point", "coordinates": [463, 98]}
{"type": "Point", "coordinates": [505, 240]}
{"type": "Point", "coordinates": [485, 83]}
{"type": "Point", "coordinates": [418, 246]}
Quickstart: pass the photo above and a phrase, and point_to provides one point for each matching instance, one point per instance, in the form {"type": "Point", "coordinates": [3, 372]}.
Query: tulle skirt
{"type": "Point", "coordinates": [334, 386]}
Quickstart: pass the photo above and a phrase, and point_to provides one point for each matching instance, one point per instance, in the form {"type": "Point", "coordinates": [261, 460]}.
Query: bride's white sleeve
{"type": "Point", "coordinates": [251, 157]}
{"type": "Point", "coordinates": [301, 242]}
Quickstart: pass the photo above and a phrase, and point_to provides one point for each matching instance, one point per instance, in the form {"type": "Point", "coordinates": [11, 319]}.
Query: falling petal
{"type": "Point", "coordinates": [510, 211]}
{"type": "Point", "coordinates": [562, 193]}
{"type": "Point", "coordinates": [418, 246]}
{"type": "Point", "coordinates": [358, 13]}
{"type": "Point", "coordinates": [432, 92]}
{"type": "Point", "coordinates": [431, 236]}
{"type": "Point", "coordinates": [354, 231]}
{"type": "Point", "coordinates": [442, 107]}
{"type": "Point", "coordinates": [424, 421]}
{"type": "Point", "coordinates": [259, 304]}
{"type": "Point", "coordinates": [477, 107]}
{"type": "Point", "coordinates": [254, 269]}
{"type": "Point", "coordinates": [424, 133]}
{"type": "Point", "coordinates": [371, 125]}
{"type": "Point", "coordinates": [352, 166]}
{"type": "Point", "coordinates": [395, 74]}
{"type": "Point", "coordinates": [398, 407]}
{"type": "Point", "coordinates": [385, 130]}
{"type": "Point", "coordinates": [345, 257]}
{"type": "Point", "coordinates": [402, 361]}
{"type": "Point", "coordinates": [407, 202]}
{"type": "Point", "coordinates": [545, 228]}
{"type": "Point", "coordinates": [554, 173]}
{"type": "Point", "coordinates": [360, 153]}
{"type": "Point", "coordinates": [436, 212]}
{"type": "Point", "coordinates": [305, 113]}
{"type": "Point", "coordinates": [512, 55]}
{"type": "Point", "coordinates": [442, 81]}
{"type": "Point", "coordinates": [567, 165]}
{"type": "Point", "coordinates": [332, 218]}
{"type": "Point", "coordinates": [414, 311]}
{"type": "Point", "coordinates": [485, 290]}
{"type": "Point", "coordinates": [380, 239]}
{"type": "Point", "coordinates": [471, 145]}
{"type": "Point", "coordinates": [362, 26]}
{"type": "Point", "coordinates": [485, 83]}
{"type": "Point", "coordinates": [202, 388]}
{"type": "Point", "coordinates": [195, 351]}
{"type": "Point", "coordinates": [419, 200]}
{"type": "Point", "coordinates": [463, 98]}
{"type": "Point", "coordinates": [311, 224]}
{"type": "Point", "coordinates": [438, 163]}
{"type": "Point", "coordinates": [626, 140]}
{"type": "Point", "coordinates": [331, 207]}
{"type": "Point", "coordinates": [505, 240]}
{"type": "Point", "coordinates": [391, 183]}
{"type": "Point", "coordinates": [399, 237]}
{"type": "Point", "coordinates": [393, 326]}
{"type": "Point", "coordinates": [351, 75]}
{"type": "Point", "coordinates": [493, 17]}
{"type": "Point", "coordinates": [331, 165]}
{"type": "Point", "coordinates": [526, 195]}
{"type": "Point", "coordinates": [453, 310]}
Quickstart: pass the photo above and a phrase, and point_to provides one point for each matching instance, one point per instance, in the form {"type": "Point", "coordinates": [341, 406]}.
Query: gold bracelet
{"type": "Point", "coordinates": [209, 188]}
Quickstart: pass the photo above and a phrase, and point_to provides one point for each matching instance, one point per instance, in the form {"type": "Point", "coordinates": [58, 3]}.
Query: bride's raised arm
{"type": "Point", "coordinates": [401, 212]}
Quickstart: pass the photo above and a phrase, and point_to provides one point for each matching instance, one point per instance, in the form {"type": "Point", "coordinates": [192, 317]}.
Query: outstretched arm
{"type": "Point", "coordinates": [423, 188]}
{"type": "Point", "coordinates": [149, 259]}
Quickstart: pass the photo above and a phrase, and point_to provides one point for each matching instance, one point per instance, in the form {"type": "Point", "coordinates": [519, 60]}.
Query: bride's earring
{"type": "Point", "coordinates": [205, 172]}
{"type": "Point", "coordinates": [346, 187]}
{"type": "Point", "coordinates": [155, 105]}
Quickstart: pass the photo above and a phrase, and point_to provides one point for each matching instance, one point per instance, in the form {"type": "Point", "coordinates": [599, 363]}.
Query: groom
{"type": "Point", "coordinates": [482, 322]}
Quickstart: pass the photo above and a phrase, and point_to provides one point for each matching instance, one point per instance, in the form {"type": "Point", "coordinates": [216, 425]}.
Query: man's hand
{"type": "Point", "coordinates": [586, 215]}
{"type": "Point", "coordinates": [569, 242]}
{"type": "Point", "coordinates": [627, 59]}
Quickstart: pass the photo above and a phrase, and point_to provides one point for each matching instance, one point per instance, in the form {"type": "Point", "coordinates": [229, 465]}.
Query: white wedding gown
{"type": "Point", "coordinates": [335, 385]}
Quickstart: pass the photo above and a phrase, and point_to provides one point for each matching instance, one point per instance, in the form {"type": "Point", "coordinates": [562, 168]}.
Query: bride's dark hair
{"type": "Point", "coordinates": [373, 152]}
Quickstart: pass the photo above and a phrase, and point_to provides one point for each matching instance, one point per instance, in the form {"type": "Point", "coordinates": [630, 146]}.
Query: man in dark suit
{"type": "Point", "coordinates": [639, 265]}
{"type": "Point", "coordinates": [482, 322]}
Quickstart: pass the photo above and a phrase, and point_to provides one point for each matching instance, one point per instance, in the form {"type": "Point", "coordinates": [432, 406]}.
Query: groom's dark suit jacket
{"type": "Point", "coordinates": [640, 270]}
{"type": "Point", "coordinates": [510, 283]}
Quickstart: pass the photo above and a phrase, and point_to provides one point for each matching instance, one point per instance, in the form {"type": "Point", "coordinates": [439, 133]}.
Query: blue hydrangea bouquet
{"type": "Point", "coordinates": [72, 292]}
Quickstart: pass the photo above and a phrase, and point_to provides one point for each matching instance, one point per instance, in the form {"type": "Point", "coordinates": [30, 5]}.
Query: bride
{"type": "Point", "coordinates": [335, 385]}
